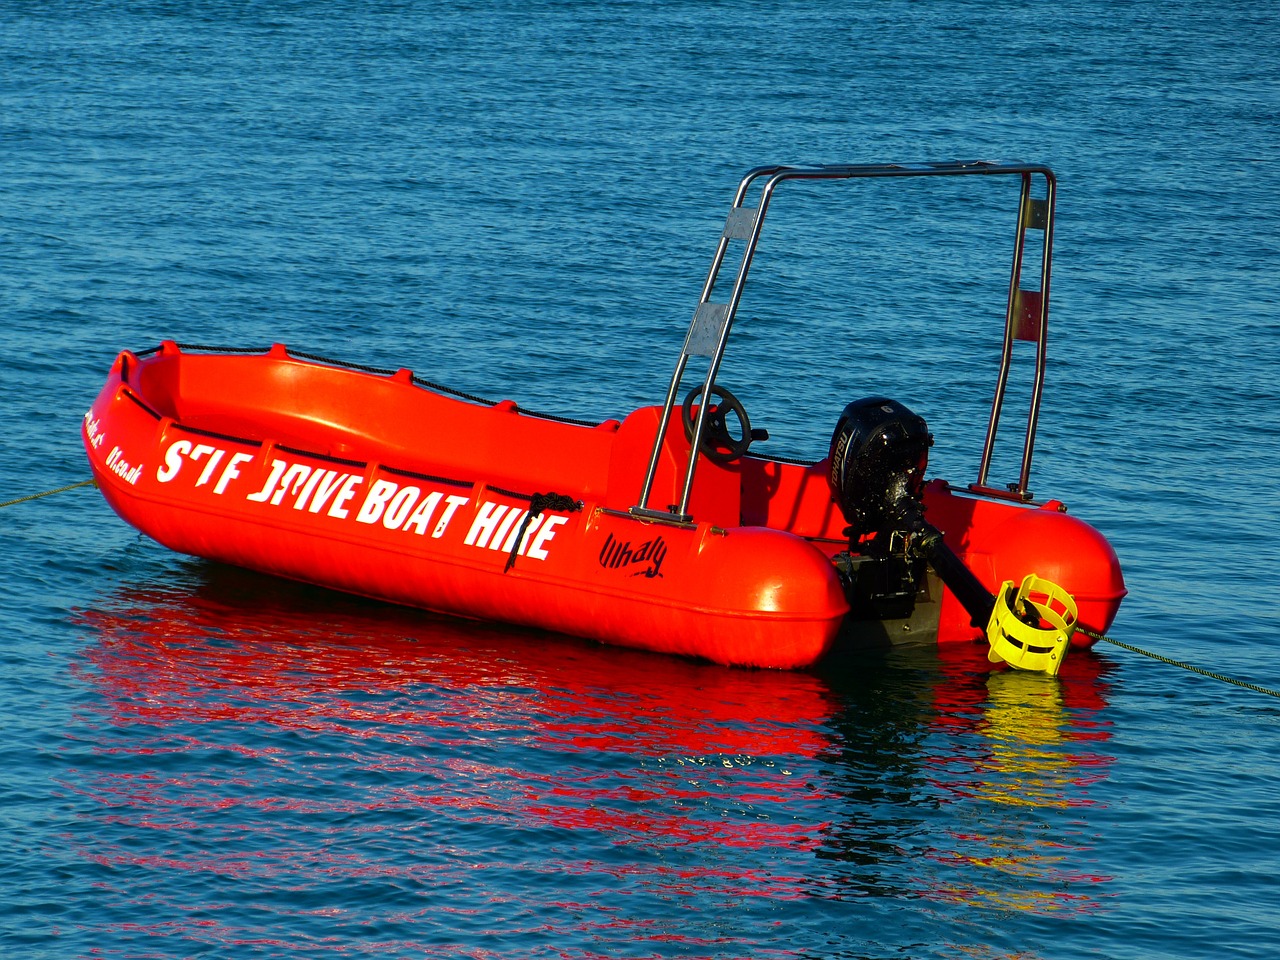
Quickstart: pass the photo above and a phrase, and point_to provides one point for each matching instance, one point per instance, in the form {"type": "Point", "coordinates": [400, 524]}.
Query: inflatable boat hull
{"type": "Point", "coordinates": [369, 483]}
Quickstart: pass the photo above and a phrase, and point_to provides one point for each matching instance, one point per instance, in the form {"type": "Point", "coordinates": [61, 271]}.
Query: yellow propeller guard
{"type": "Point", "coordinates": [1031, 630]}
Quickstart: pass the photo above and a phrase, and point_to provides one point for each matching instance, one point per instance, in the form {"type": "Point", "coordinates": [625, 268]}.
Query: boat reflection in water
{"type": "Point", "coordinates": [1035, 751]}
{"type": "Point", "coordinates": [265, 760]}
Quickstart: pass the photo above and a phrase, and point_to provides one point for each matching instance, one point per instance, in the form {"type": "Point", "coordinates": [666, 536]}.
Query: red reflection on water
{"type": "Point", "coordinates": [249, 726]}
{"type": "Point", "coordinates": [167, 656]}
{"type": "Point", "coordinates": [248, 729]}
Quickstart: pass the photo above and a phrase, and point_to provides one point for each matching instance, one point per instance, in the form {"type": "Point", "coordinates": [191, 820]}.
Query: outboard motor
{"type": "Point", "coordinates": [879, 453]}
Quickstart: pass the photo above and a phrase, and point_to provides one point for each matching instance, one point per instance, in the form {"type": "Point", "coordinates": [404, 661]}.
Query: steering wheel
{"type": "Point", "coordinates": [718, 443]}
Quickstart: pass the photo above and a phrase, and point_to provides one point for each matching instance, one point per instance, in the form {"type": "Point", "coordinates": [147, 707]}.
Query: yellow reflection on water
{"type": "Point", "coordinates": [1025, 851]}
{"type": "Point", "coordinates": [1024, 723]}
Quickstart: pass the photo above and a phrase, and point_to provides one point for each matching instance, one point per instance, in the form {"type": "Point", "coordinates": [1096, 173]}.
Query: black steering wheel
{"type": "Point", "coordinates": [718, 443]}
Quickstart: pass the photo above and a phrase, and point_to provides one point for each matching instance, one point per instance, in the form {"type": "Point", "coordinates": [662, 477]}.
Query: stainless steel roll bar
{"type": "Point", "coordinates": [1026, 313]}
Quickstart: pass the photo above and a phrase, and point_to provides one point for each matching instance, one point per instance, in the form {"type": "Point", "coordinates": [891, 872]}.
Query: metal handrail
{"type": "Point", "coordinates": [1032, 214]}
{"type": "Point", "coordinates": [711, 324]}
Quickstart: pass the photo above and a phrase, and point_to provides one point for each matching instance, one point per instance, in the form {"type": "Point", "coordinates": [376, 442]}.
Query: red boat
{"type": "Point", "coordinates": [663, 531]}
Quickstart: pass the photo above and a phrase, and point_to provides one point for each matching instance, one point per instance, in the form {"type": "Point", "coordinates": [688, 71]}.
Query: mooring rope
{"type": "Point", "coordinates": [1179, 663]}
{"type": "Point", "coordinates": [556, 501]}
{"type": "Point", "coordinates": [48, 493]}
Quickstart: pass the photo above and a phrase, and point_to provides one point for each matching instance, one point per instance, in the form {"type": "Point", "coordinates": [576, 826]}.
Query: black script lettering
{"type": "Point", "coordinates": [616, 555]}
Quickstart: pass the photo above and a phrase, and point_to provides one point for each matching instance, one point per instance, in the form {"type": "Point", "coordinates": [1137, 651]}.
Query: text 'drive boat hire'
{"type": "Point", "coordinates": [664, 531]}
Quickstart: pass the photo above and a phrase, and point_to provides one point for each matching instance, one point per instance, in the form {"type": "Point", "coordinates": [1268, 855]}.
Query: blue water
{"type": "Point", "coordinates": [521, 199]}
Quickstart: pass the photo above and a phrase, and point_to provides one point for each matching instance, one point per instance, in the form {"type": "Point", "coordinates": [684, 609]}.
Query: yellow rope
{"type": "Point", "coordinates": [48, 493]}
{"type": "Point", "coordinates": [1178, 663]}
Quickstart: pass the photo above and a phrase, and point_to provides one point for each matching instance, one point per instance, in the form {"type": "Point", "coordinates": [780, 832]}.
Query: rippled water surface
{"type": "Point", "coordinates": [521, 199]}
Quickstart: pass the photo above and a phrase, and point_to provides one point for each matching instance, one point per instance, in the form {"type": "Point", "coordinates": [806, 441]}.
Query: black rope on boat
{"type": "Point", "coordinates": [537, 503]}
{"type": "Point", "coordinates": [1178, 663]}
{"type": "Point", "coordinates": [49, 493]}
{"type": "Point", "coordinates": [380, 371]}
{"type": "Point", "coordinates": [205, 348]}
{"type": "Point", "coordinates": [797, 461]}
{"type": "Point", "coordinates": [429, 477]}
{"type": "Point", "coordinates": [364, 368]}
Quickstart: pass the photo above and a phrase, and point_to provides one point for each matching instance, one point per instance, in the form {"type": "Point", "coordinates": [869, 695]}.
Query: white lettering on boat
{"type": "Point", "coordinates": [483, 525]}
{"type": "Point", "coordinates": [400, 509]}
{"type": "Point", "coordinates": [93, 431]}
{"type": "Point", "coordinates": [497, 525]}
{"type": "Point", "coordinates": [375, 501]}
{"type": "Point", "coordinates": [277, 468]}
{"type": "Point", "coordinates": [326, 487]}
{"type": "Point", "coordinates": [181, 450]}
{"type": "Point", "coordinates": [453, 502]}
{"type": "Point", "coordinates": [173, 460]}
{"type": "Point", "coordinates": [312, 488]}
{"type": "Point", "coordinates": [230, 472]}
{"type": "Point", "coordinates": [122, 468]}
{"type": "Point", "coordinates": [345, 493]}
{"type": "Point", "coordinates": [537, 549]}
{"type": "Point", "coordinates": [408, 508]}
{"type": "Point", "coordinates": [294, 481]}
{"type": "Point", "coordinates": [421, 515]}
{"type": "Point", "coordinates": [215, 456]}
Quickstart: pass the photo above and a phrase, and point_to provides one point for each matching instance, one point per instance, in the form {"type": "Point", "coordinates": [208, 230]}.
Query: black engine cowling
{"type": "Point", "coordinates": [879, 453]}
